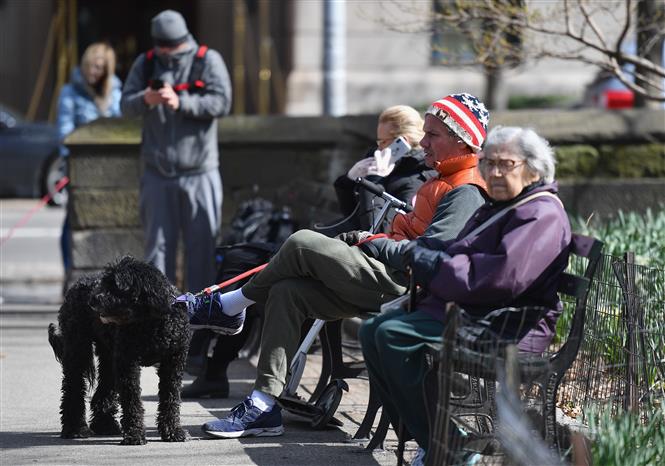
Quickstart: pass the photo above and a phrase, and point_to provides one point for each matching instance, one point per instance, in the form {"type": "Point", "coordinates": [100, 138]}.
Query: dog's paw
{"type": "Point", "coordinates": [81, 432]}
{"type": "Point", "coordinates": [177, 435]}
{"type": "Point", "coordinates": [133, 440]}
{"type": "Point", "coordinates": [106, 425]}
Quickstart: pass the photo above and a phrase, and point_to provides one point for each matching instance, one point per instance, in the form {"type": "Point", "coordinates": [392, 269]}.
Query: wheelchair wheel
{"type": "Point", "coordinates": [327, 404]}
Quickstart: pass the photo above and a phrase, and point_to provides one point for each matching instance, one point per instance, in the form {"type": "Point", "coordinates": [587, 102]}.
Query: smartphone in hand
{"type": "Point", "coordinates": [399, 147]}
{"type": "Point", "coordinates": [156, 84]}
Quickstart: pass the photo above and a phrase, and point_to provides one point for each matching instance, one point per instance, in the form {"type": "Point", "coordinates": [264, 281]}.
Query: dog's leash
{"type": "Point", "coordinates": [211, 289]}
{"type": "Point", "coordinates": [371, 187]}
{"type": "Point", "coordinates": [44, 200]}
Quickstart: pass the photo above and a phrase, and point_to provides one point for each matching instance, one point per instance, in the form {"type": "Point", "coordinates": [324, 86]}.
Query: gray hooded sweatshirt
{"type": "Point", "coordinates": [183, 142]}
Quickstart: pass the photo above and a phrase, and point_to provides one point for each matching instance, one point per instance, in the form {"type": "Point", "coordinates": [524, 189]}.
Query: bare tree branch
{"type": "Point", "coordinates": [592, 32]}
{"type": "Point", "coordinates": [626, 27]}
{"type": "Point", "coordinates": [589, 20]}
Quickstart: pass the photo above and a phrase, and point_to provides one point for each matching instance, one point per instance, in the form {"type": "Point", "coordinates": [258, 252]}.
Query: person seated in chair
{"type": "Point", "coordinates": [314, 276]}
{"type": "Point", "coordinates": [401, 175]}
{"type": "Point", "coordinates": [514, 261]}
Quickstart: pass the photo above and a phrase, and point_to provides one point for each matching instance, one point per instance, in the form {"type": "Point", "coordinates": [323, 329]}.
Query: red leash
{"type": "Point", "coordinates": [231, 281]}
{"type": "Point", "coordinates": [44, 200]}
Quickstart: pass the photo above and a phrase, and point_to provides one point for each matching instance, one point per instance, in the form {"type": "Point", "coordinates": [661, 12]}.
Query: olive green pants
{"type": "Point", "coordinates": [312, 276]}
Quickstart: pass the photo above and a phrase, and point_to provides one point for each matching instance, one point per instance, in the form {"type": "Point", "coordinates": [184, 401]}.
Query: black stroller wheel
{"type": "Point", "coordinates": [328, 403]}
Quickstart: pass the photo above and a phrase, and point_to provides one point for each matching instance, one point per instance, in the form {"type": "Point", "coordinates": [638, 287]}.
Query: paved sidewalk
{"type": "Point", "coordinates": [29, 420]}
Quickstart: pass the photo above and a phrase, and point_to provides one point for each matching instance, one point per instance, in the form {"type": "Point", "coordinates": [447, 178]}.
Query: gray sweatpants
{"type": "Point", "coordinates": [189, 204]}
{"type": "Point", "coordinates": [313, 276]}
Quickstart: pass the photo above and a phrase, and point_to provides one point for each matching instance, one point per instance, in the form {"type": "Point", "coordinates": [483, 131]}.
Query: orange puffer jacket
{"type": "Point", "coordinates": [453, 172]}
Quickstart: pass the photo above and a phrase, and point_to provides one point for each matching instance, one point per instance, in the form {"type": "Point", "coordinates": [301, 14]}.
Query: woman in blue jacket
{"type": "Point", "coordinates": [93, 91]}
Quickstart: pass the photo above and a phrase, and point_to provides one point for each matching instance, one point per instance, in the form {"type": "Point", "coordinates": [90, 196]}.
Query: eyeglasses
{"type": "Point", "coordinates": [504, 165]}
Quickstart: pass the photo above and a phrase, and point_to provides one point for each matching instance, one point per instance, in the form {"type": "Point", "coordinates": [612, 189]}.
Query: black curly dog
{"type": "Point", "coordinates": [129, 312]}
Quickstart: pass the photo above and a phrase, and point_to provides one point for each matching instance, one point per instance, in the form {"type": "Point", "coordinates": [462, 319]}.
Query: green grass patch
{"type": "Point", "coordinates": [643, 234]}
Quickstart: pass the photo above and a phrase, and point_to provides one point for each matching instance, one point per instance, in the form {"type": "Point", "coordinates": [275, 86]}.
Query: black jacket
{"type": "Point", "coordinates": [403, 182]}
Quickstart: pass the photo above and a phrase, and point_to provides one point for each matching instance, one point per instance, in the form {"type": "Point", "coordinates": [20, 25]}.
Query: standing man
{"type": "Point", "coordinates": [179, 88]}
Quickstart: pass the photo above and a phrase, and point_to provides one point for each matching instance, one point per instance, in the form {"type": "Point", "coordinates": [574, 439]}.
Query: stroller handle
{"type": "Point", "coordinates": [380, 191]}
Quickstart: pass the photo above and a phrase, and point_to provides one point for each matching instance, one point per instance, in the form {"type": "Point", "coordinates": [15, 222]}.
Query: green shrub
{"type": "Point", "coordinates": [577, 161]}
{"type": "Point", "coordinates": [634, 161]}
{"type": "Point", "coordinates": [516, 102]}
{"type": "Point", "coordinates": [620, 161]}
{"type": "Point", "coordinates": [625, 440]}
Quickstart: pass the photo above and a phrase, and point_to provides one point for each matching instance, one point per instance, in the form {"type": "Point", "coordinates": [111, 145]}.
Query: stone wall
{"type": "Point", "coordinates": [293, 161]}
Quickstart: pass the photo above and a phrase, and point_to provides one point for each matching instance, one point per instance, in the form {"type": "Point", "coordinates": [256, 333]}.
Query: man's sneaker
{"type": "Point", "coordinates": [205, 311]}
{"type": "Point", "coordinates": [246, 419]}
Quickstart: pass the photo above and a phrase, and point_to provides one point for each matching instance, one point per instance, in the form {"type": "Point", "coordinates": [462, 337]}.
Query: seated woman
{"type": "Point", "coordinates": [401, 177]}
{"type": "Point", "coordinates": [515, 261]}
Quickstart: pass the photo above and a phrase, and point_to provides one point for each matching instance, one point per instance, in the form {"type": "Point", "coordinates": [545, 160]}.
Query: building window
{"type": "Point", "coordinates": [450, 46]}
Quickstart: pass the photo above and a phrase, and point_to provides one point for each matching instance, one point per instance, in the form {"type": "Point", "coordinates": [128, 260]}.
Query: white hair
{"type": "Point", "coordinates": [525, 143]}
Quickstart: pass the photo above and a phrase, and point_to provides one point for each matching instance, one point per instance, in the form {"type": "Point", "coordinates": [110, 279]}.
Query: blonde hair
{"type": "Point", "coordinates": [101, 91]}
{"type": "Point", "coordinates": [404, 121]}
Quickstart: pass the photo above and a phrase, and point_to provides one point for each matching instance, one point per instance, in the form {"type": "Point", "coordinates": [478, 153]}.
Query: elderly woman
{"type": "Point", "coordinates": [514, 261]}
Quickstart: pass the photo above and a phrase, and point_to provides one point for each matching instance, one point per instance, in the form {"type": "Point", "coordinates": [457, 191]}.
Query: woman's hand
{"type": "Point", "coordinates": [383, 165]}
{"type": "Point", "coordinates": [362, 168]}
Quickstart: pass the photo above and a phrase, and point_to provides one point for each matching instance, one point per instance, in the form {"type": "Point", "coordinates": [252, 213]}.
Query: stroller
{"type": "Point", "coordinates": [321, 411]}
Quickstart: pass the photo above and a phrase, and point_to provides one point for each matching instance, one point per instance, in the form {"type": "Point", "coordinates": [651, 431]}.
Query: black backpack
{"type": "Point", "coordinates": [259, 221]}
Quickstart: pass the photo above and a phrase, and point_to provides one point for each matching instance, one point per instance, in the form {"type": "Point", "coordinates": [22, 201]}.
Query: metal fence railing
{"type": "Point", "coordinates": [619, 369]}
{"type": "Point", "coordinates": [621, 363]}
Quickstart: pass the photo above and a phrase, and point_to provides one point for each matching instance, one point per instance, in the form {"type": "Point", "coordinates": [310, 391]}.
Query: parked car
{"type": "Point", "coordinates": [606, 91]}
{"type": "Point", "coordinates": [30, 161]}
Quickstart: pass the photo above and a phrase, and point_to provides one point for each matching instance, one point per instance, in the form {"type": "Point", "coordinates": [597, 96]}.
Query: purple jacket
{"type": "Point", "coordinates": [514, 262]}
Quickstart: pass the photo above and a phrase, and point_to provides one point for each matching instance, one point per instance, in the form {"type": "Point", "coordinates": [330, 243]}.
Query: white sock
{"type": "Point", "coordinates": [234, 302]}
{"type": "Point", "coordinates": [263, 401]}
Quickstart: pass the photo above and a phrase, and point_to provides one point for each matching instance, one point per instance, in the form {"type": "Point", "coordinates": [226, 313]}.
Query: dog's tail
{"type": "Point", "coordinates": [56, 341]}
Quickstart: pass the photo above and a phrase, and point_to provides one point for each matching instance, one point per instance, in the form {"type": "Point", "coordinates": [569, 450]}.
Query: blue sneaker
{"type": "Point", "coordinates": [205, 311]}
{"type": "Point", "coordinates": [246, 419]}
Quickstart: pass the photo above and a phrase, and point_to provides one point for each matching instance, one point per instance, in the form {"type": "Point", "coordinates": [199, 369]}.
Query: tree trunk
{"type": "Point", "coordinates": [496, 97]}
{"type": "Point", "coordinates": [650, 21]}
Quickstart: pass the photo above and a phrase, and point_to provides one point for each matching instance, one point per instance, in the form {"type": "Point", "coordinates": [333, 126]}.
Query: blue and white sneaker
{"type": "Point", "coordinates": [205, 311]}
{"type": "Point", "coordinates": [245, 420]}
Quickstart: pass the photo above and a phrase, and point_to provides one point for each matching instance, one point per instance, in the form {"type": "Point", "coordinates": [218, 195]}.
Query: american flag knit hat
{"type": "Point", "coordinates": [465, 115]}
